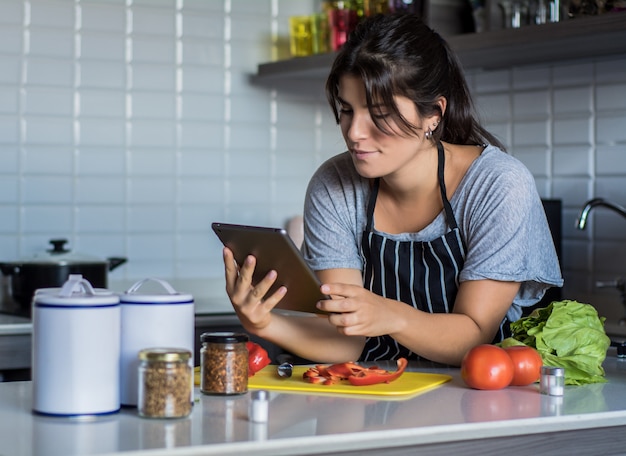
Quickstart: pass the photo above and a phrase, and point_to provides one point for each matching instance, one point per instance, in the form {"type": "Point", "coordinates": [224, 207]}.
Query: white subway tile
{"type": "Point", "coordinates": [12, 13]}
{"type": "Point", "coordinates": [9, 224]}
{"type": "Point", "coordinates": [611, 70]}
{"type": "Point", "coordinates": [531, 77]}
{"type": "Point", "coordinates": [101, 161]}
{"type": "Point", "coordinates": [573, 131]}
{"type": "Point", "coordinates": [611, 159]}
{"type": "Point", "coordinates": [493, 106]}
{"type": "Point", "coordinates": [195, 217]}
{"type": "Point", "coordinates": [203, 52]}
{"type": "Point", "coordinates": [250, 191]}
{"type": "Point", "coordinates": [48, 130]}
{"type": "Point", "coordinates": [10, 35]}
{"type": "Point", "coordinates": [48, 220]}
{"type": "Point", "coordinates": [9, 130]}
{"type": "Point", "coordinates": [201, 135]}
{"type": "Point", "coordinates": [249, 136]}
{"type": "Point", "coordinates": [153, 132]}
{"type": "Point", "coordinates": [610, 128]}
{"type": "Point", "coordinates": [9, 158]}
{"type": "Point", "coordinates": [611, 188]}
{"type": "Point", "coordinates": [103, 17]}
{"type": "Point", "coordinates": [201, 163]}
{"type": "Point", "coordinates": [9, 100]}
{"type": "Point", "coordinates": [153, 105]}
{"type": "Point", "coordinates": [574, 191]}
{"type": "Point", "coordinates": [531, 104]}
{"type": "Point", "coordinates": [575, 73]}
{"type": "Point", "coordinates": [100, 219]}
{"type": "Point", "coordinates": [200, 190]}
{"type": "Point", "coordinates": [151, 162]}
{"type": "Point", "coordinates": [99, 45]}
{"type": "Point", "coordinates": [158, 248]}
{"type": "Point", "coordinates": [206, 79]}
{"type": "Point", "coordinates": [529, 133]}
{"type": "Point", "coordinates": [102, 74]}
{"type": "Point", "coordinates": [151, 190]}
{"type": "Point", "coordinates": [153, 49]}
{"type": "Point", "coordinates": [49, 42]}
{"type": "Point", "coordinates": [573, 100]}
{"type": "Point", "coordinates": [492, 81]}
{"type": "Point", "coordinates": [249, 163]}
{"type": "Point", "coordinates": [10, 69]}
{"type": "Point", "coordinates": [101, 103]}
{"type": "Point", "coordinates": [52, 14]}
{"type": "Point", "coordinates": [48, 101]}
{"type": "Point", "coordinates": [100, 190]}
{"type": "Point", "coordinates": [151, 219]}
{"type": "Point", "coordinates": [154, 21]}
{"type": "Point", "coordinates": [200, 106]}
{"type": "Point", "coordinates": [205, 26]}
{"type": "Point", "coordinates": [9, 189]}
{"type": "Point", "coordinates": [573, 161]}
{"type": "Point", "coordinates": [102, 131]}
{"type": "Point", "coordinates": [611, 97]}
{"type": "Point", "coordinates": [46, 159]}
{"type": "Point", "coordinates": [41, 71]}
{"type": "Point", "coordinates": [145, 76]}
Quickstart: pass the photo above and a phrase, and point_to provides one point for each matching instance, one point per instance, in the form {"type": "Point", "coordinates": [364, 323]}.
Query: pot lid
{"type": "Point", "coordinates": [60, 255]}
{"type": "Point", "coordinates": [76, 292]}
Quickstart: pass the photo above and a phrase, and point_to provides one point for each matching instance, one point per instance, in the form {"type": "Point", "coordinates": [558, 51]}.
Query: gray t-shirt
{"type": "Point", "coordinates": [496, 205]}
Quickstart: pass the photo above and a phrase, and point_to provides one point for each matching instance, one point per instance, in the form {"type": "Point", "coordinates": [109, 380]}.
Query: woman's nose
{"type": "Point", "coordinates": [359, 127]}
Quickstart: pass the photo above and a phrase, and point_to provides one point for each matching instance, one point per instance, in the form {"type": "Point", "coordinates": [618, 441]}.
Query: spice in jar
{"type": "Point", "coordinates": [224, 363]}
{"type": "Point", "coordinates": [165, 383]}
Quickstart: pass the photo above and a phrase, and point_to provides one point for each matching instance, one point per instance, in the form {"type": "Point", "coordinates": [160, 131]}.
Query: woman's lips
{"type": "Point", "coordinates": [362, 154]}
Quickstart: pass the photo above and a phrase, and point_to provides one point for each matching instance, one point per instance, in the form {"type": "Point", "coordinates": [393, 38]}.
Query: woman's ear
{"type": "Point", "coordinates": [443, 104]}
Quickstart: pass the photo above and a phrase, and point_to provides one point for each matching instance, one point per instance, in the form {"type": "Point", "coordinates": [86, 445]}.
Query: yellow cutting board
{"type": "Point", "coordinates": [408, 384]}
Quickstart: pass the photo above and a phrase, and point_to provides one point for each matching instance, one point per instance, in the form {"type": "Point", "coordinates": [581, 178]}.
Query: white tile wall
{"type": "Point", "coordinates": [129, 126]}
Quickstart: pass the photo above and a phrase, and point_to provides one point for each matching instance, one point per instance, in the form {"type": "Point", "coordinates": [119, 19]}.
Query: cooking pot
{"type": "Point", "coordinates": [52, 269]}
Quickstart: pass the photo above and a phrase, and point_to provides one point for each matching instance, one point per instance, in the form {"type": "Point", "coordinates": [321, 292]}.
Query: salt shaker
{"type": "Point", "coordinates": [552, 381]}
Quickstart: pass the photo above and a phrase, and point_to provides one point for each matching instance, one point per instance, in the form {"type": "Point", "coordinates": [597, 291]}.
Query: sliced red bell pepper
{"type": "Point", "coordinates": [374, 376]}
{"type": "Point", "coordinates": [257, 358]}
{"type": "Point", "coordinates": [357, 375]}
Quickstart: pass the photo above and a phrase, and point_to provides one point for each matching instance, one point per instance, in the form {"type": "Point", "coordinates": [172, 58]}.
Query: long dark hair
{"type": "Point", "coordinates": [397, 54]}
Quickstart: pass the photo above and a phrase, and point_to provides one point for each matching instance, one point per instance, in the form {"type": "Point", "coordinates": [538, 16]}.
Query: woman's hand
{"type": "Point", "coordinates": [356, 311]}
{"type": "Point", "coordinates": [248, 299]}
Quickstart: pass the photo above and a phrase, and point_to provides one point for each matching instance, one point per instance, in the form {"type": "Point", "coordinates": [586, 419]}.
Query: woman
{"type": "Point", "coordinates": [429, 238]}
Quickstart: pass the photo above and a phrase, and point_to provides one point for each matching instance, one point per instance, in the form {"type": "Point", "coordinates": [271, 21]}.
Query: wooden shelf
{"type": "Point", "coordinates": [578, 38]}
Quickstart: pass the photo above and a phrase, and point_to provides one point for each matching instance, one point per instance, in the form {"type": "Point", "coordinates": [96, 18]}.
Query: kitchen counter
{"type": "Point", "coordinates": [449, 419]}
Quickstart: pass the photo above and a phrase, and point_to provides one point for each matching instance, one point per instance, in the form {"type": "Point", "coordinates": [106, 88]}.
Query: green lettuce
{"type": "Point", "coordinates": [567, 334]}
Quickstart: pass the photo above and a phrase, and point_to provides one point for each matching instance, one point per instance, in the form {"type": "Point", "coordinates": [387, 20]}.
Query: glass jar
{"type": "Point", "coordinates": [224, 363]}
{"type": "Point", "coordinates": [165, 383]}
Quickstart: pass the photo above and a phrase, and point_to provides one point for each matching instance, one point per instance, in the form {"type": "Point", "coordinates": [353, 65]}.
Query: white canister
{"type": "Point", "coordinates": [76, 350]}
{"type": "Point", "coordinates": [150, 320]}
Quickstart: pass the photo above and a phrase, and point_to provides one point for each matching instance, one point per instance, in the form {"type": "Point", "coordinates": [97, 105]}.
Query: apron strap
{"type": "Point", "coordinates": [442, 187]}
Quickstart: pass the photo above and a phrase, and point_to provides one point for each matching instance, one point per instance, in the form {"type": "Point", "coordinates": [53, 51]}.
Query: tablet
{"type": "Point", "coordinates": [274, 249]}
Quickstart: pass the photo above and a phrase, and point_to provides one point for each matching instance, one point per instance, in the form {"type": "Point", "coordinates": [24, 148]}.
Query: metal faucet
{"type": "Point", "coordinates": [582, 218]}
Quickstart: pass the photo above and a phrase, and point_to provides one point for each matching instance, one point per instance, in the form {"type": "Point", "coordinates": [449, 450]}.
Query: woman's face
{"type": "Point", "coordinates": [374, 153]}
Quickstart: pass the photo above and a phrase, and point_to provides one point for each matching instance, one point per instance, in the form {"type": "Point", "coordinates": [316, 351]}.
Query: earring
{"type": "Point", "coordinates": [428, 134]}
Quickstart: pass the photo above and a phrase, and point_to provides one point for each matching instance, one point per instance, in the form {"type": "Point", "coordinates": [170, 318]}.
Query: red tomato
{"type": "Point", "coordinates": [487, 367]}
{"type": "Point", "coordinates": [527, 364]}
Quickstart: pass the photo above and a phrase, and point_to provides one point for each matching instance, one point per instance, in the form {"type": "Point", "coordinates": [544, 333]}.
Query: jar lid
{"type": "Point", "coordinates": [224, 337]}
{"type": "Point", "coordinates": [165, 354]}
{"type": "Point", "coordinates": [556, 371]}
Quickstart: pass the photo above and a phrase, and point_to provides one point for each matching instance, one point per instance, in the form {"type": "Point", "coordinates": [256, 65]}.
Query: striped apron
{"type": "Point", "coordinates": [424, 275]}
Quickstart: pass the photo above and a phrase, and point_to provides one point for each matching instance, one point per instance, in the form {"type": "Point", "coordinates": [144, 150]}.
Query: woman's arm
{"type": "Point", "coordinates": [479, 309]}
